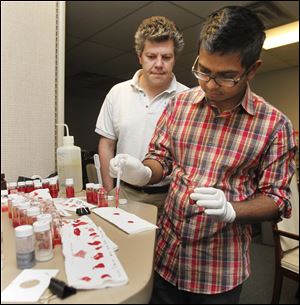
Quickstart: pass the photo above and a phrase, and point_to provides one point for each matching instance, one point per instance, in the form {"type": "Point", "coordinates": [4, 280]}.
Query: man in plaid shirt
{"type": "Point", "coordinates": [231, 155]}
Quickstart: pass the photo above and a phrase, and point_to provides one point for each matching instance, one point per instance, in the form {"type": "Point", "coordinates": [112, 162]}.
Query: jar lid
{"type": "Point", "coordinates": [24, 205]}
{"type": "Point", "coordinates": [44, 217]}
{"type": "Point", "coordinates": [23, 231]}
{"type": "Point", "coordinates": [33, 211]}
{"type": "Point", "coordinates": [41, 225]}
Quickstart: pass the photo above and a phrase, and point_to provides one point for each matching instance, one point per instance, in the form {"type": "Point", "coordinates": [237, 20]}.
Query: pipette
{"type": "Point", "coordinates": [118, 185]}
{"type": "Point", "coordinates": [97, 165]}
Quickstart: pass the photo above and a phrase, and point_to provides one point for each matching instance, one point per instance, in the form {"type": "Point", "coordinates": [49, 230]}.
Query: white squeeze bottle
{"type": "Point", "coordinates": [69, 163]}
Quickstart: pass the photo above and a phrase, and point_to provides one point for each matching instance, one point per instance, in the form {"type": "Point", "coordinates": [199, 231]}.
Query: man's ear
{"type": "Point", "coordinates": [254, 69]}
{"type": "Point", "coordinates": [140, 59]}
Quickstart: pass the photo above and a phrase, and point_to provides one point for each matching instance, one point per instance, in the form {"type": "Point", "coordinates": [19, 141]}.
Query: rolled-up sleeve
{"type": "Point", "coordinates": [278, 167]}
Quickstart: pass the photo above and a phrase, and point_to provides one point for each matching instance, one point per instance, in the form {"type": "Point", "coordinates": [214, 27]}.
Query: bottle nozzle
{"type": "Point", "coordinates": [65, 126]}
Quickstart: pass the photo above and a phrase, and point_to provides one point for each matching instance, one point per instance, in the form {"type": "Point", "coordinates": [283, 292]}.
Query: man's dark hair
{"type": "Point", "coordinates": [233, 29]}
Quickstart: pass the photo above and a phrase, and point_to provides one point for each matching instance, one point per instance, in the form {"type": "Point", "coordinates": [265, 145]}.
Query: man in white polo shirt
{"type": "Point", "coordinates": [132, 108]}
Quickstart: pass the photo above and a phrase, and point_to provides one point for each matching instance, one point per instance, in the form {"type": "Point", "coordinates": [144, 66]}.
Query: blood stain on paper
{"type": "Point", "coordinates": [81, 223]}
{"type": "Point", "coordinates": [86, 278]}
{"type": "Point", "coordinates": [80, 253]}
{"type": "Point", "coordinates": [77, 231]}
{"type": "Point", "coordinates": [95, 243]}
{"type": "Point", "coordinates": [99, 266]}
{"type": "Point", "coordinates": [103, 276]}
{"type": "Point", "coordinates": [130, 221]}
{"type": "Point", "coordinates": [98, 255]}
{"type": "Point", "coordinates": [116, 213]}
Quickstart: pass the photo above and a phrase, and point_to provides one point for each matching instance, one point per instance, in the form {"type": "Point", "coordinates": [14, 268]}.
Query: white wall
{"type": "Point", "coordinates": [281, 89]}
{"type": "Point", "coordinates": [28, 57]}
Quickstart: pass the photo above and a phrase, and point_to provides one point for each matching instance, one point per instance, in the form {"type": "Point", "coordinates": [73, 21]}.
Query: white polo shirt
{"type": "Point", "coordinates": [129, 117]}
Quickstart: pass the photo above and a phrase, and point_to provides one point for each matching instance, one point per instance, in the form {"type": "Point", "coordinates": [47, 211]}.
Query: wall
{"type": "Point", "coordinates": [28, 61]}
{"type": "Point", "coordinates": [83, 104]}
{"type": "Point", "coordinates": [281, 89]}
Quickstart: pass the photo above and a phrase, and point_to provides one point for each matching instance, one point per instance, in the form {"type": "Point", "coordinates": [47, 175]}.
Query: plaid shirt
{"type": "Point", "coordinates": [246, 151]}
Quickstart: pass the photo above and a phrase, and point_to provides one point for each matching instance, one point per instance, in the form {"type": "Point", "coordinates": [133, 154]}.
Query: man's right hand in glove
{"type": "Point", "coordinates": [133, 171]}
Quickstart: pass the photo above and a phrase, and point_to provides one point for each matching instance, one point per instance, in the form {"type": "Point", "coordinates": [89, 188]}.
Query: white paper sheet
{"type": "Point", "coordinates": [14, 292]}
{"type": "Point", "coordinates": [90, 262]}
{"type": "Point", "coordinates": [71, 204]}
{"type": "Point", "coordinates": [127, 222]}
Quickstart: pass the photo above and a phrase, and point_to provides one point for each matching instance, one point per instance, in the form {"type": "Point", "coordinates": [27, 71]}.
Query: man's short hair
{"type": "Point", "coordinates": [233, 29]}
{"type": "Point", "coordinates": [158, 28]}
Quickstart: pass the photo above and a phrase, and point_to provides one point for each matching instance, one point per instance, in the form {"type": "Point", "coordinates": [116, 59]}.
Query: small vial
{"type": "Point", "coordinates": [37, 184]}
{"type": "Point", "coordinates": [43, 241]}
{"type": "Point", "coordinates": [89, 189]}
{"type": "Point", "coordinates": [102, 198]}
{"type": "Point", "coordinates": [70, 192]}
{"type": "Point", "coordinates": [45, 184]}
{"type": "Point", "coordinates": [24, 247]}
{"type": "Point", "coordinates": [21, 187]}
{"type": "Point", "coordinates": [95, 193]}
{"type": "Point", "coordinates": [29, 186]}
{"type": "Point", "coordinates": [32, 214]}
{"type": "Point", "coordinates": [53, 188]}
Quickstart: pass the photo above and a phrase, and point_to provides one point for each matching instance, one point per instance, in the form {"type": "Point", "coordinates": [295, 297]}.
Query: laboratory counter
{"type": "Point", "coordinates": [135, 253]}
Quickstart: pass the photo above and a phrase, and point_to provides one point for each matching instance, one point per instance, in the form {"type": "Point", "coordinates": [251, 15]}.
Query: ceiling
{"type": "Point", "coordinates": [100, 45]}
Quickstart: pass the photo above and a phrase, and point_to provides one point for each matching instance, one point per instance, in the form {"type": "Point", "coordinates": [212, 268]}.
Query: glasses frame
{"type": "Point", "coordinates": [233, 80]}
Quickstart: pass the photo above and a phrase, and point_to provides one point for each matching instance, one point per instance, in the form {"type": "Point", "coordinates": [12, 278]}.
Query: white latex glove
{"type": "Point", "coordinates": [133, 171]}
{"type": "Point", "coordinates": [214, 202]}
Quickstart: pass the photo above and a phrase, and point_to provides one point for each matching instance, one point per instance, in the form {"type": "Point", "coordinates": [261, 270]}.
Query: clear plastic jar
{"type": "Point", "coordinates": [24, 247]}
{"type": "Point", "coordinates": [47, 218]}
{"type": "Point", "coordinates": [22, 212]}
{"type": "Point", "coordinates": [43, 241]}
{"type": "Point", "coordinates": [32, 214]}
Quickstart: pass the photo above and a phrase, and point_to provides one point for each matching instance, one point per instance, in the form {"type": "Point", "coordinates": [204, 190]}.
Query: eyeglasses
{"type": "Point", "coordinates": [221, 81]}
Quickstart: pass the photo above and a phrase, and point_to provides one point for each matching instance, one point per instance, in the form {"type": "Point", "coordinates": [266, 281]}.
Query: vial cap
{"type": "Point", "coordinates": [21, 183]}
{"type": "Point", "coordinates": [97, 186]}
{"type": "Point", "coordinates": [69, 181]}
{"type": "Point", "coordinates": [89, 185]}
{"type": "Point", "coordinates": [41, 225]}
{"type": "Point", "coordinates": [33, 211]}
{"type": "Point", "coordinates": [23, 231]}
{"type": "Point", "coordinates": [29, 182]}
{"type": "Point", "coordinates": [44, 217]}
